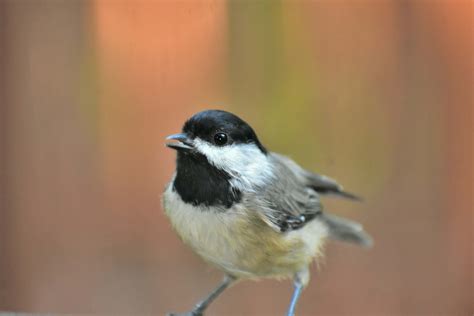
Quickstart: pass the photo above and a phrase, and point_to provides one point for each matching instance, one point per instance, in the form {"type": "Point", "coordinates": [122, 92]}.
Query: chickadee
{"type": "Point", "coordinates": [250, 212]}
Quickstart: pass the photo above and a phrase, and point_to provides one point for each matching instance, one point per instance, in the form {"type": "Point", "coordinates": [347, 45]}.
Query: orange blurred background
{"type": "Point", "coordinates": [377, 94]}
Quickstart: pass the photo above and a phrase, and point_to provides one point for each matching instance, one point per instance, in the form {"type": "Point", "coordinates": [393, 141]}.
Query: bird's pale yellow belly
{"type": "Point", "coordinates": [240, 243]}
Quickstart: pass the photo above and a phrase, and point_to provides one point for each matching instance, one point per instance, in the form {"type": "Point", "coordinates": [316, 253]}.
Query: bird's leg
{"type": "Point", "coordinates": [294, 298]}
{"type": "Point", "coordinates": [202, 305]}
{"type": "Point", "coordinates": [299, 282]}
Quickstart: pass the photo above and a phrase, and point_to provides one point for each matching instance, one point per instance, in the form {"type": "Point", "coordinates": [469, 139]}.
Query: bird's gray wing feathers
{"type": "Point", "coordinates": [288, 203]}
{"type": "Point", "coordinates": [292, 200]}
{"type": "Point", "coordinates": [346, 230]}
{"type": "Point", "coordinates": [326, 185]}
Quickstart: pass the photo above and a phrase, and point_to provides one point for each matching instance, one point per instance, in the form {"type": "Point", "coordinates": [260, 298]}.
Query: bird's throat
{"type": "Point", "coordinates": [200, 183]}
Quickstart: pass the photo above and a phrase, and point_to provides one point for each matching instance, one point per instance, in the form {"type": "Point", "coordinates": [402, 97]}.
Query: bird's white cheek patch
{"type": "Point", "coordinates": [247, 165]}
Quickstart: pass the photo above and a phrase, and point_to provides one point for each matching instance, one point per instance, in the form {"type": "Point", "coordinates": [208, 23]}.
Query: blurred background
{"type": "Point", "coordinates": [377, 94]}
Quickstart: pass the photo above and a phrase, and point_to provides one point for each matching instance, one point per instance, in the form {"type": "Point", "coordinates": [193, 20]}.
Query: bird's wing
{"type": "Point", "coordinates": [289, 202]}
{"type": "Point", "coordinates": [292, 200]}
{"type": "Point", "coordinates": [326, 185]}
{"type": "Point", "coordinates": [319, 183]}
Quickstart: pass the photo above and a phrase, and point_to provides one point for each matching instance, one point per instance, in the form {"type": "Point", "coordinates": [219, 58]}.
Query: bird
{"type": "Point", "coordinates": [250, 212]}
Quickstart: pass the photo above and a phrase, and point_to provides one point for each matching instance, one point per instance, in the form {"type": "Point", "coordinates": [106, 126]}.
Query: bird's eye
{"type": "Point", "coordinates": [220, 139]}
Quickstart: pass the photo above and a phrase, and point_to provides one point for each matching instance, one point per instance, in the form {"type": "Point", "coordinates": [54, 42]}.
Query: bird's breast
{"type": "Point", "coordinates": [239, 242]}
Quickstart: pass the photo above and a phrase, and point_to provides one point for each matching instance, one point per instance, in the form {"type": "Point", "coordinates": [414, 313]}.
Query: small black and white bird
{"type": "Point", "coordinates": [250, 212]}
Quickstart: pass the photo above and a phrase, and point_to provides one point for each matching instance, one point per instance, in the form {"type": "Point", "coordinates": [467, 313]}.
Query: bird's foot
{"type": "Point", "coordinates": [191, 313]}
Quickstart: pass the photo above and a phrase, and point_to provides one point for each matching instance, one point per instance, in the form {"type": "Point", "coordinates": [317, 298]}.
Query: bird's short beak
{"type": "Point", "coordinates": [184, 142]}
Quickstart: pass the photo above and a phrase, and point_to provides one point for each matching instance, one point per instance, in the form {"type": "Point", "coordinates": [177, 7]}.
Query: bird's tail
{"type": "Point", "coordinates": [346, 230]}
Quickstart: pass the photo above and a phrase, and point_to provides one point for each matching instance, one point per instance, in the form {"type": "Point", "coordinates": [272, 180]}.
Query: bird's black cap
{"type": "Point", "coordinates": [207, 124]}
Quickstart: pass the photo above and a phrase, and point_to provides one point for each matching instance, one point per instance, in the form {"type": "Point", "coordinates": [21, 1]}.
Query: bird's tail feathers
{"type": "Point", "coordinates": [343, 229]}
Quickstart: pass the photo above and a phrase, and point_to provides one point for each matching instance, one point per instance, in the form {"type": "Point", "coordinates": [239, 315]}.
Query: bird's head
{"type": "Point", "coordinates": [225, 141]}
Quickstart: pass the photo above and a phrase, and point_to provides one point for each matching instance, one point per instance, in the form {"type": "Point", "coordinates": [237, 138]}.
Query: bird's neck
{"type": "Point", "coordinates": [200, 183]}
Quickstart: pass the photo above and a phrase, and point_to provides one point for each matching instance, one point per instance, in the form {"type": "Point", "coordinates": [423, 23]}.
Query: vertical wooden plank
{"type": "Point", "coordinates": [3, 172]}
{"type": "Point", "coordinates": [49, 174]}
